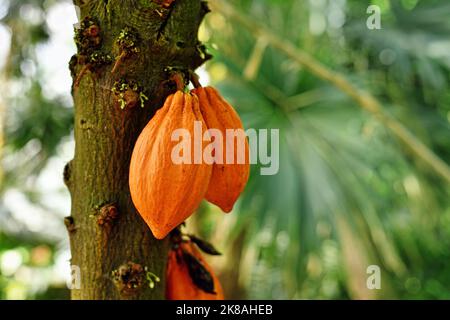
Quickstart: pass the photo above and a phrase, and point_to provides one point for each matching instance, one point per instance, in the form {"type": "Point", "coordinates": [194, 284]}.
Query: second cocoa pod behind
{"type": "Point", "coordinates": [228, 178]}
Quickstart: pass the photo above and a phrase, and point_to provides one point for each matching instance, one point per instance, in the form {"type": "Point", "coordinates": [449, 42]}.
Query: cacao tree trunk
{"type": "Point", "coordinates": [110, 244]}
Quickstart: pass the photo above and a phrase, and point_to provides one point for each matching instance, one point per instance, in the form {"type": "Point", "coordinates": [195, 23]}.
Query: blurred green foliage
{"type": "Point", "coordinates": [31, 115]}
{"type": "Point", "coordinates": [347, 194]}
{"type": "Point", "coordinates": [35, 125]}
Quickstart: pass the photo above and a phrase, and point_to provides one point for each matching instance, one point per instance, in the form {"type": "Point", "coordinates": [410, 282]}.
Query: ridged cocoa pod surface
{"type": "Point", "coordinates": [166, 193]}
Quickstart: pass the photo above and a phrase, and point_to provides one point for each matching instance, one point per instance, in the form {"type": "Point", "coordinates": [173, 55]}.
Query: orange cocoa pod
{"type": "Point", "coordinates": [228, 178]}
{"type": "Point", "coordinates": [165, 192]}
{"type": "Point", "coordinates": [179, 282]}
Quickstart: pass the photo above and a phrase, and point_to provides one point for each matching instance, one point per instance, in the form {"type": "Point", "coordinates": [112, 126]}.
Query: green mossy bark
{"type": "Point", "coordinates": [105, 136]}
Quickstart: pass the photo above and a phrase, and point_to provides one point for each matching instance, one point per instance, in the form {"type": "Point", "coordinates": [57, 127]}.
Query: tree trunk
{"type": "Point", "coordinates": [110, 243]}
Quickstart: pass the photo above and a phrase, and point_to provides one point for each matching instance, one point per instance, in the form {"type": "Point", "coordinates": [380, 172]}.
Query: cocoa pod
{"type": "Point", "coordinates": [189, 277]}
{"type": "Point", "coordinates": [166, 193]}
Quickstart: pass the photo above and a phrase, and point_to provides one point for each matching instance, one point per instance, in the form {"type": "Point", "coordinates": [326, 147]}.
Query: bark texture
{"type": "Point", "coordinates": [110, 243]}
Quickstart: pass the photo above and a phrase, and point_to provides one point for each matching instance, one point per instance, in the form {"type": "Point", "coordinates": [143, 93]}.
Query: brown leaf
{"type": "Point", "coordinates": [205, 246]}
{"type": "Point", "coordinates": [199, 275]}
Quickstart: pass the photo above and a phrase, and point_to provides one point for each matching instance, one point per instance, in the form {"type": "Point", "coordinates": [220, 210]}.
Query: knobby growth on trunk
{"type": "Point", "coordinates": [126, 52]}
